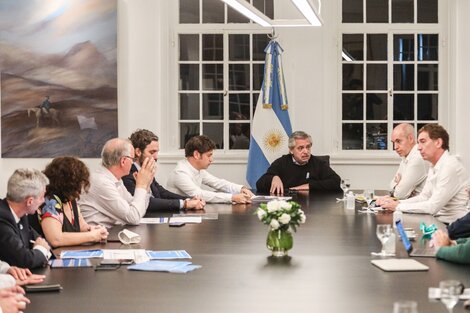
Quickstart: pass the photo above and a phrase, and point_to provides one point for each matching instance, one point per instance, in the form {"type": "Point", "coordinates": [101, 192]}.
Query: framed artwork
{"type": "Point", "coordinates": [58, 64]}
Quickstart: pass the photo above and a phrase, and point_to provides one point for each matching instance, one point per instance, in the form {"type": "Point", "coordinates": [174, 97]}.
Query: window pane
{"type": "Point", "coordinates": [402, 11]}
{"type": "Point", "coordinates": [353, 136]}
{"type": "Point", "coordinates": [212, 11]}
{"type": "Point", "coordinates": [213, 106]}
{"type": "Point", "coordinates": [265, 6]}
{"type": "Point", "coordinates": [403, 47]}
{"type": "Point", "coordinates": [427, 77]}
{"type": "Point", "coordinates": [189, 76]}
{"type": "Point", "coordinates": [189, 106]}
{"type": "Point", "coordinates": [212, 47]}
{"type": "Point", "coordinates": [376, 136]}
{"type": "Point", "coordinates": [353, 47]}
{"type": "Point", "coordinates": [428, 47]}
{"type": "Point", "coordinates": [239, 47]}
{"type": "Point", "coordinates": [212, 76]}
{"type": "Point", "coordinates": [353, 11]}
{"type": "Point", "coordinates": [215, 131]}
{"type": "Point", "coordinates": [427, 11]}
{"type": "Point", "coordinates": [427, 107]}
{"type": "Point", "coordinates": [352, 77]}
{"type": "Point", "coordinates": [403, 77]}
{"type": "Point", "coordinates": [234, 17]}
{"type": "Point", "coordinates": [403, 107]}
{"type": "Point", "coordinates": [376, 106]}
{"type": "Point", "coordinates": [377, 47]}
{"type": "Point", "coordinates": [258, 75]}
{"type": "Point", "coordinates": [376, 76]}
{"type": "Point", "coordinates": [239, 77]}
{"type": "Point", "coordinates": [189, 11]}
{"type": "Point", "coordinates": [187, 131]}
{"type": "Point", "coordinates": [239, 106]}
{"type": "Point", "coordinates": [353, 106]}
{"type": "Point", "coordinates": [260, 41]}
{"type": "Point", "coordinates": [377, 11]}
{"type": "Point", "coordinates": [189, 47]}
{"type": "Point", "coordinates": [239, 134]}
{"type": "Point", "coordinates": [255, 101]}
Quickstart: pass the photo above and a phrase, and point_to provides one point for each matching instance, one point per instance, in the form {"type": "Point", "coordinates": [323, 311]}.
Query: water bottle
{"type": "Point", "coordinates": [350, 201]}
{"type": "Point", "coordinates": [397, 216]}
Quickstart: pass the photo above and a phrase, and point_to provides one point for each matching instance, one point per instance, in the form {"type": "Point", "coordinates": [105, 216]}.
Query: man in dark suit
{"type": "Point", "coordinates": [146, 145]}
{"type": "Point", "coordinates": [20, 244]}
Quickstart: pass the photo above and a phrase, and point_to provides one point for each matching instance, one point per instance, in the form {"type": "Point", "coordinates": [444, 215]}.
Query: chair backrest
{"type": "Point", "coordinates": [324, 158]}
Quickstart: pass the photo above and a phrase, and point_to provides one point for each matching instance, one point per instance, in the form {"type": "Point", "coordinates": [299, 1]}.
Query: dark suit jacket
{"type": "Point", "coordinates": [460, 228]}
{"type": "Point", "coordinates": [16, 249]}
{"type": "Point", "coordinates": [162, 199]}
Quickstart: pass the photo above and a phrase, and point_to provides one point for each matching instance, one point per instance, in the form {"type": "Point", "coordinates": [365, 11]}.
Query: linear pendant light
{"type": "Point", "coordinates": [249, 13]}
{"type": "Point", "coordinates": [306, 9]}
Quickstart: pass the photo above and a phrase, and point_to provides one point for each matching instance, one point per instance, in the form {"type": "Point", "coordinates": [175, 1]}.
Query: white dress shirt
{"type": "Point", "coordinates": [109, 203]}
{"type": "Point", "coordinates": [7, 281]}
{"type": "Point", "coordinates": [444, 195]}
{"type": "Point", "coordinates": [187, 180]}
{"type": "Point", "coordinates": [413, 171]}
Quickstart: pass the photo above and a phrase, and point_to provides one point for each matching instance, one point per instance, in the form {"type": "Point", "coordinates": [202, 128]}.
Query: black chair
{"type": "Point", "coordinates": [324, 158]}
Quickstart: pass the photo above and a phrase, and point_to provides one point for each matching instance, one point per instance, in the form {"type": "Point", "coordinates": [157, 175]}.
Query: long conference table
{"type": "Point", "coordinates": [328, 270]}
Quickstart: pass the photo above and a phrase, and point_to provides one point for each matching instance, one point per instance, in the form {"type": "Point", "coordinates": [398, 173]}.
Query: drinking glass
{"type": "Point", "coordinates": [369, 196]}
{"type": "Point", "coordinates": [345, 184]}
{"type": "Point", "coordinates": [405, 307]}
{"type": "Point", "coordinates": [383, 232]}
{"type": "Point", "coordinates": [450, 292]}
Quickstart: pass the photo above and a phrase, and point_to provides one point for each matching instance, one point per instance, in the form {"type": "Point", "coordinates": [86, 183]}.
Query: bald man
{"type": "Point", "coordinates": [411, 175]}
{"type": "Point", "coordinates": [108, 202]}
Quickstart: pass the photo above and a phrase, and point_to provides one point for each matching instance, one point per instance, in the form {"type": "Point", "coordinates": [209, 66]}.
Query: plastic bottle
{"type": "Point", "coordinates": [350, 201]}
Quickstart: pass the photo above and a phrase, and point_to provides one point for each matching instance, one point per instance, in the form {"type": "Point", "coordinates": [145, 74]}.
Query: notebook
{"type": "Point", "coordinates": [428, 252]}
{"type": "Point", "coordinates": [399, 265]}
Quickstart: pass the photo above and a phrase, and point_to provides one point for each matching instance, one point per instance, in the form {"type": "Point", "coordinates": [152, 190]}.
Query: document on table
{"type": "Point", "coordinates": [204, 216]}
{"type": "Point", "coordinates": [164, 266]}
{"type": "Point", "coordinates": [81, 254]}
{"type": "Point", "coordinates": [268, 198]}
{"type": "Point", "coordinates": [138, 255]}
{"type": "Point", "coordinates": [186, 219]}
{"type": "Point", "coordinates": [154, 220]}
{"type": "Point", "coordinates": [167, 255]}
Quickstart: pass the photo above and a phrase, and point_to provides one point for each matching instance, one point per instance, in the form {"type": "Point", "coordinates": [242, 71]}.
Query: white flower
{"type": "Point", "coordinates": [284, 219]}
{"type": "Point", "coordinates": [285, 205]}
{"type": "Point", "coordinates": [274, 224]}
{"type": "Point", "coordinates": [302, 218]}
{"type": "Point", "coordinates": [261, 213]}
{"type": "Point", "coordinates": [273, 206]}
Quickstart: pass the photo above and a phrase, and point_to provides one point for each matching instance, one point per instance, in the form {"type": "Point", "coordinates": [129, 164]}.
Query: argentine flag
{"type": "Point", "coordinates": [271, 123]}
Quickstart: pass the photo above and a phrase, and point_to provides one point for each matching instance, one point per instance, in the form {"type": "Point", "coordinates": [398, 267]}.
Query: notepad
{"type": "Point", "coordinates": [81, 254]}
{"type": "Point", "coordinates": [154, 220]}
{"type": "Point", "coordinates": [61, 263]}
{"type": "Point", "coordinates": [399, 265]}
{"type": "Point", "coordinates": [269, 198]}
{"type": "Point", "coordinates": [168, 255]}
{"type": "Point", "coordinates": [186, 219]}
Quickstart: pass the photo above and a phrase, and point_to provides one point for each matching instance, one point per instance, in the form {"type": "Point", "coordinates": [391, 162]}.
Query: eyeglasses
{"type": "Point", "coordinates": [129, 157]}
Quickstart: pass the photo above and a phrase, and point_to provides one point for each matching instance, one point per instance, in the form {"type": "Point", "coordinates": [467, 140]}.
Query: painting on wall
{"type": "Point", "coordinates": [58, 84]}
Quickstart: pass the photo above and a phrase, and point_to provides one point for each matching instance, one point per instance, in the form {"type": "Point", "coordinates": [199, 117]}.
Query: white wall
{"type": "Point", "coordinates": [310, 64]}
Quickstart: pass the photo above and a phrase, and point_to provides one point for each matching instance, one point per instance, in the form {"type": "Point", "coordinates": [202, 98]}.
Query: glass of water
{"type": "Point", "coordinates": [369, 196]}
{"type": "Point", "coordinates": [450, 292]}
{"type": "Point", "coordinates": [405, 307]}
{"type": "Point", "coordinates": [345, 184]}
{"type": "Point", "coordinates": [383, 232]}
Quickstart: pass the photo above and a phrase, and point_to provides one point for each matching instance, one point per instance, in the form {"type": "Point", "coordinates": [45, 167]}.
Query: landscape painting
{"type": "Point", "coordinates": [58, 85]}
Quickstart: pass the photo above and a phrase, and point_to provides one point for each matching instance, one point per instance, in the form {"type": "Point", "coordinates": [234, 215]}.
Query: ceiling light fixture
{"type": "Point", "coordinates": [249, 11]}
{"type": "Point", "coordinates": [308, 11]}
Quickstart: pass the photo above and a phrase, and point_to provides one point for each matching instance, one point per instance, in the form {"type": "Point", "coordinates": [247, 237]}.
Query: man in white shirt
{"type": "Point", "coordinates": [411, 175]}
{"type": "Point", "coordinates": [190, 175]}
{"type": "Point", "coordinates": [444, 194]}
{"type": "Point", "coordinates": [108, 202]}
{"type": "Point", "coordinates": [20, 243]}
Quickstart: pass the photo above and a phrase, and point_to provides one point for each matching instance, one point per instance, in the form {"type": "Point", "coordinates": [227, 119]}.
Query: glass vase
{"type": "Point", "coordinates": [279, 242]}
